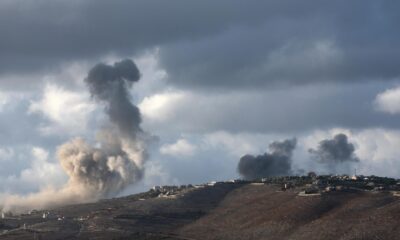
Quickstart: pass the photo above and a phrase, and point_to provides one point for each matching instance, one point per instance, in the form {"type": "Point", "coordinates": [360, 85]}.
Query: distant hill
{"type": "Point", "coordinates": [241, 210]}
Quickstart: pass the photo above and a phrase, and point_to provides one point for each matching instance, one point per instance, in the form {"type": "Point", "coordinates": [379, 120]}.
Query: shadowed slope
{"type": "Point", "coordinates": [223, 211]}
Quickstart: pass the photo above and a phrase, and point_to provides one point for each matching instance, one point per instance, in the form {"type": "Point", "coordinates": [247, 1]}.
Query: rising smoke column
{"type": "Point", "coordinates": [275, 163]}
{"type": "Point", "coordinates": [336, 154]}
{"type": "Point", "coordinates": [110, 85]}
{"type": "Point", "coordinates": [115, 161]}
{"type": "Point", "coordinates": [118, 161]}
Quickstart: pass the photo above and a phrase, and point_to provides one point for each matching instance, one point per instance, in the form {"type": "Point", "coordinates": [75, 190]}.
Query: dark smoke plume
{"type": "Point", "coordinates": [276, 163]}
{"type": "Point", "coordinates": [337, 153]}
{"type": "Point", "coordinates": [336, 150]}
{"type": "Point", "coordinates": [108, 166]}
{"type": "Point", "coordinates": [110, 84]}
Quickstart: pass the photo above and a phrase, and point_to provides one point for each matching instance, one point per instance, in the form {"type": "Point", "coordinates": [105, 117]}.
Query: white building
{"type": "Point", "coordinates": [212, 183]}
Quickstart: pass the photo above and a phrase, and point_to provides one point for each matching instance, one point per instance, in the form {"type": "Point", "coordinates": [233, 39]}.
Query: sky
{"type": "Point", "coordinates": [219, 80]}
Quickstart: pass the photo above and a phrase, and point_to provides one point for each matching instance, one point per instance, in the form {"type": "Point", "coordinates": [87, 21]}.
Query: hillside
{"type": "Point", "coordinates": [223, 211]}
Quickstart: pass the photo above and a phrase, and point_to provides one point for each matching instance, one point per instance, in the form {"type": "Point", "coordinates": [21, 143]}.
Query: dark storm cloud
{"type": "Point", "coordinates": [335, 151]}
{"type": "Point", "coordinates": [36, 34]}
{"type": "Point", "coordinates": [277, 162]}
{"type": "Point", "coordinates": [327, 42]}
{"type": "Point", "coordinates": [211, 43]}
{"type": "Point", "coordinates": [300, 109]}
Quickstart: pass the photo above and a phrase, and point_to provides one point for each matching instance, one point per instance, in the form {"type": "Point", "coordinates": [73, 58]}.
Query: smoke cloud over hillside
{"type": "Point", "coordinates": [106, 167]}
{"type": "Point", "coordinates": [275, 163]}
{"type": "Point", "coordinates": [337, 153]}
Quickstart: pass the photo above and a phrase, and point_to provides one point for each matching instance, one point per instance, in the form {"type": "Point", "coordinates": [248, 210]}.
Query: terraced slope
{"type": "Point", "coordinates": [224, 211]}
{"type": "Point", "coordinates": [262, 212]}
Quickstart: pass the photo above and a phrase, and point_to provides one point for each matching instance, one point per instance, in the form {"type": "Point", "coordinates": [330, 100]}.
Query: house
{"type": "Point", "coordinates": [329, 188]}
{"type": "Point", "coordinates": [212, 183]}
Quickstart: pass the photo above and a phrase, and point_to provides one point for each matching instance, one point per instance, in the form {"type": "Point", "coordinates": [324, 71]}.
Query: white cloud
{"type": "Point", "coordinates": [10, 98]}
{"type": "Point", "coordinates": [262, 111]}
{"type": "Point", "coordinates": [3, 100]}
{"type": "Point", "coordinates": [389, 101]}
{"type": "Point", "coordinates": [156, 175]}
{"type": "Point", "coordinates": [182, 148]}
{"type": "Point", "coordinates": [6, 154]}
{"type": "Point", "coordinates": [40, 173]}
{"type": "Point", "coordinates": [236, 145]}
{"type": "Point", "coordinates": [153, 76]}
{"type": "Point", "coordinates": [68, 111]}
{"type": "Point", "coordinates": [380, 150]}
{"type": "Point", "coordinates": [162, 107]}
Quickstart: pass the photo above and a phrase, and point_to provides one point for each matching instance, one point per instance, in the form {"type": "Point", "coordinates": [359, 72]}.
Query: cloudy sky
{"type": "Point", "coordinates": [220, 79]}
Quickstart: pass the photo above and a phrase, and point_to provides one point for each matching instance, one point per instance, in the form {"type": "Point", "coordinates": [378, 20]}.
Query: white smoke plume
{"type": "Point", "coordinates": [107, 167]}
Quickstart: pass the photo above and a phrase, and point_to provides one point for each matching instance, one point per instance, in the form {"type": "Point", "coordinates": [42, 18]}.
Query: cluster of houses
{"type": "Point", "coordinates": [314, 184]}
{"type": "Point", "coordinates": [328, 183]}
{"type": "Point", "coordinates": [174, 191]}
{"type": "Point", "coordinates": [33, 213]}
{"type": "Point", "coordinates": [310, 185]}
{"type": "Point", "coordinates": [171, 191]}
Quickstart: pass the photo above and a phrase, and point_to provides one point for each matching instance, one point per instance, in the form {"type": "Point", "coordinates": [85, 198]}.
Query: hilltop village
{"type": "Point", "coordinates": [311, 185]}
{"type": "Point", "coordinates": [82, 216]}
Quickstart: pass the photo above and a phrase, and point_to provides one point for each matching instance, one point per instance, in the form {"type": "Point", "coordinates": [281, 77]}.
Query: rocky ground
{"type": "Point", "coordinates": [222, 211]}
